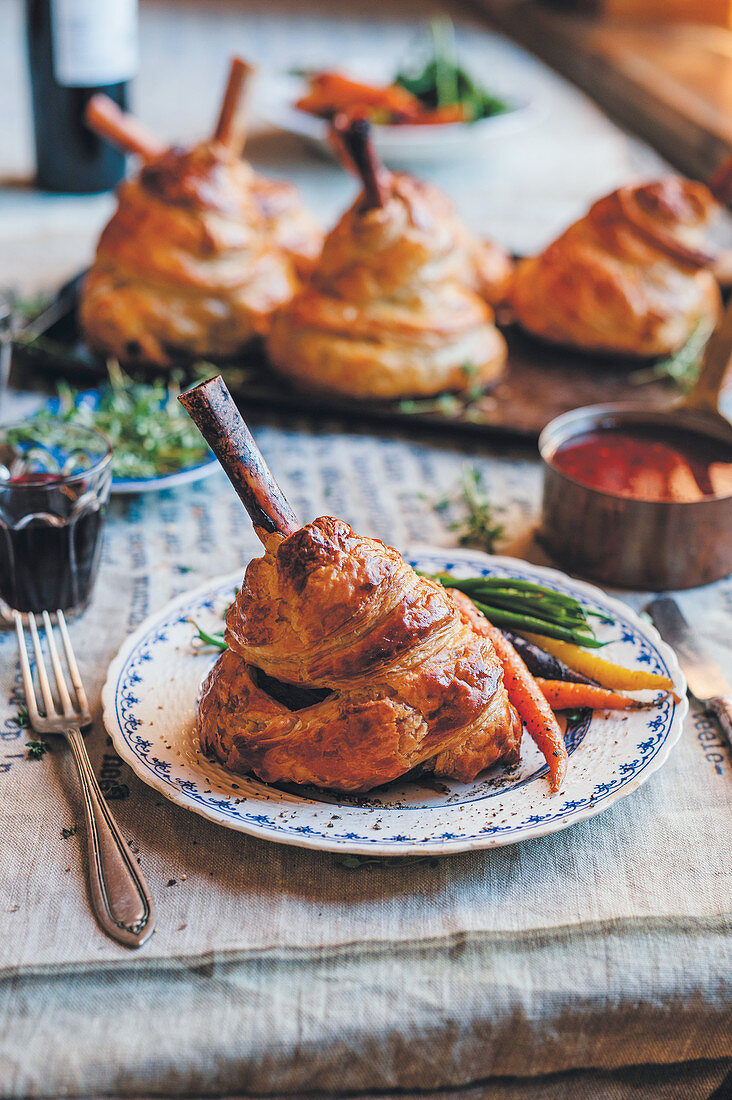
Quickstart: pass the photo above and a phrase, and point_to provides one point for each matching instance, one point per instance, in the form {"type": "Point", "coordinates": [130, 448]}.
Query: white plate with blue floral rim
{"type": "Point", "coordinates": [126, 486]}
{"type": "Point", "coordinates": [400, 145]}
{"type": "Point", "coordinates": [149, 711]}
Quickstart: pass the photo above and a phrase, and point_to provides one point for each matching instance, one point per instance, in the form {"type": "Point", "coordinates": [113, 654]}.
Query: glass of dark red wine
{"type": "Point", "coordinates": [55, 479]}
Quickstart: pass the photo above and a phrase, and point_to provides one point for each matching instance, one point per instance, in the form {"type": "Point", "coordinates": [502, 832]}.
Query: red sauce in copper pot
{"type": "Point", "coordinates": [648, 463]}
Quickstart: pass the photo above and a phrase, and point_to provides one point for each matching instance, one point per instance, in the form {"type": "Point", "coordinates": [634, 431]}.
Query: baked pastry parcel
{"type": "Point", "coordinates": [405, 674]}
{"type": "Point", "coordinates": [629, 277]}
{"type": "Point", "coordinates": [189, 263]}
{"type": "Point", "coordinates": [397, 305]}
{"type": "Point", "coordinates": [199, 253]}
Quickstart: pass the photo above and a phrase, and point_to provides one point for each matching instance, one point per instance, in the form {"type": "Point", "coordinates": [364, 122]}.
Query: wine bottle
{"type": "Point", "coordinates": [77, 48]}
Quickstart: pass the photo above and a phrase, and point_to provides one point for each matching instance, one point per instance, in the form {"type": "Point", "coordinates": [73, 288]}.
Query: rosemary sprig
{"type": "Point", "coordinates": [203, 636]}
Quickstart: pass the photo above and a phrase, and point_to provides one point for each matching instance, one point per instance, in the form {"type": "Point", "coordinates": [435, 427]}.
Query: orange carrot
{"type": "Point", "coordinates": [527, 697]}
{"type": "Point", "coordinates": [564, 695]}
{"type": "Point", "coordinates": [331, 92]}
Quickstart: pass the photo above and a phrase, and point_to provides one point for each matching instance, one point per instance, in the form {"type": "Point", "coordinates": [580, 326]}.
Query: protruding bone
{"type": "Point", "coordinates": [231, 128]}
{"type": "Point", "coordinates": [108, 120]}
{"type": "Point", "coordinates": [212, 408]}
{"type": "Point", "coordinates": [355, 138]}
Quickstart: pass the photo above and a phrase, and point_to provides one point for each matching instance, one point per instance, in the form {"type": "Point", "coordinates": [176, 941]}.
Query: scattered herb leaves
{"type": "Point", "coordinates": [35, 750]}
{"type": "Point", "coordinates": [150, 432]}
{"type": "Point", "coordinates": [216, 640]}
{"type": "Point", "coordinates": [682, 366]}
{"type": "Point", "coordinates": [71, 831]}
{"type": "Point", "coordinates": [478, 526]}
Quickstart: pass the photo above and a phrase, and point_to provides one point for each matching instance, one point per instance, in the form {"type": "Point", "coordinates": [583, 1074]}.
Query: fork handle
{"type": "Point", "coordinates": [119, 893]}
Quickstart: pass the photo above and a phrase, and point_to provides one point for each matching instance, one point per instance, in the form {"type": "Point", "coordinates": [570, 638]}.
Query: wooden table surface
{"type": "Point", "coordinates": [669, 81]}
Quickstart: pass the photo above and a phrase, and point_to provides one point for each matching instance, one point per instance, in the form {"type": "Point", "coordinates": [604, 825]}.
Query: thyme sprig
{"type": "Point", "coordinates": [150, 433]}
{"type": "Point", "coordinates": [477, 525]}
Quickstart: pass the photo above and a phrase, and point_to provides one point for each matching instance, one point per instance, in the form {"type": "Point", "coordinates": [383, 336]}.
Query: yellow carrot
{"type": "Point", "coordinates": [606, 673]}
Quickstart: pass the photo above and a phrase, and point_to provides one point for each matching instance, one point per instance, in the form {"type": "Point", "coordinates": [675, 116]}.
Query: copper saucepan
{"type": "Point", "coordinates": [654, 545]}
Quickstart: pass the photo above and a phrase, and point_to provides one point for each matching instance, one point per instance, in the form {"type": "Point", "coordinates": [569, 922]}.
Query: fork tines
{"type": "Point", "coordinates": [65, 712]}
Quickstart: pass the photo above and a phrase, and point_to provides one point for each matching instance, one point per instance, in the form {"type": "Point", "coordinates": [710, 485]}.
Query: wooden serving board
{"type": "Point", "coordinates": [540, 382]}
{"type": "Point", "coordinates": [668, 79]}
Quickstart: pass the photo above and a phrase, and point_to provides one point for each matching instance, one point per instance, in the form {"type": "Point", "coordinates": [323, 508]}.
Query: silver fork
{"type": "Point", "coordinates": [119, 893]}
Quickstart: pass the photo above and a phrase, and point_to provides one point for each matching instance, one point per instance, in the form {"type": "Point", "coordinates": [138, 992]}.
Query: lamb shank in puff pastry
{"type": "Point", "coordinates": [629, 277]}
{"type": "Point", "coordinates": [404, 676]}
{"type": "Point", "coordinates": [392, 307]}
{"type": "Point", "coordinates": [200, 251]}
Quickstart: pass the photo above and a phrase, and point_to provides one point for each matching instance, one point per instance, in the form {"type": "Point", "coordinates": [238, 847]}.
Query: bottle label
{"type": "Point", "coordinates": [94, 42]}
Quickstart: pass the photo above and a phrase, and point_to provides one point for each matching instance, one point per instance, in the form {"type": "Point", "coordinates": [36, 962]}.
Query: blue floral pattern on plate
{"type": "Point", "coordinates": [149, 705]}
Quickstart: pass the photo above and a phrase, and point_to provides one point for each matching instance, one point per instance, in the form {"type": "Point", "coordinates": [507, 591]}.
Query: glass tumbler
{"type": "Point", "coordinates": [55, 479]}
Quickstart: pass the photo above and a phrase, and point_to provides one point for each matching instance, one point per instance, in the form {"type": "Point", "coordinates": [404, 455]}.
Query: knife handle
{"type": "Point", "coordinates": [722, 710]}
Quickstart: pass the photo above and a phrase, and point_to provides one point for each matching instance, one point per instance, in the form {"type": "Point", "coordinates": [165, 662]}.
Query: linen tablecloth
{"type": "Point", "coordinates": [594, 963]}
{"type": "Point", "coordinates": [279, 970]}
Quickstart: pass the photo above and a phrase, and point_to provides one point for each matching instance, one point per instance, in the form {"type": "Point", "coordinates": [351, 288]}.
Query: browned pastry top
{"type": "Point", "coordinates": [207, 176]}
{"type": "Point", "coordinates": [196, 258]}
{"type": "Point", "coordinates": [627, 277]}
{"type": "Point", "coordinates": [413, 238]}
{"type": "Point", "coordinates": [410, 676]}
{"type": "Point", "coordinates": [666, 217]}
{"type": "Point", "coordinates": [392, 308]}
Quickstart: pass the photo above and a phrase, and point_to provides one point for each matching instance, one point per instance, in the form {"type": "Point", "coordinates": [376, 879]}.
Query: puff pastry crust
{"type": "Point", "coordinates": [412, 679]}
{"type": "Point", "coordinates": [196, 258]}
{"type": "Point", "coordinates": [392, 308]}
{"type": "Point", "coordinates": [629, 277]}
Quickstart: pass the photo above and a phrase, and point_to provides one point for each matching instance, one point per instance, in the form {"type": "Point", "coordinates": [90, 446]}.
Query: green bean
{"type": "Point", "coordinates": [499, 617]}
{"type": "Point", "coordinates": [521, 607]}
{"type": "Point", "coordinates": [524, 605]}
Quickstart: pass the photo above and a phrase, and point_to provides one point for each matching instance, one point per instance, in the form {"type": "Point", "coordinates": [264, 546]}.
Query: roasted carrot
{"type": "Point", "coordinates": [526, 695]}
{"type": "Point", "coordinates": [331, 93]}
{"type": "Point", "coordinates": [606, 673]}
{"type": "Point", "coordinates": [564, 695]}
{"type": "Point", "coordinates": [451, 112]}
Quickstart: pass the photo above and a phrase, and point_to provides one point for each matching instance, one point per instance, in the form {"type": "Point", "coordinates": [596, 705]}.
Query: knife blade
{"type": "Point", "coordinates": [706, 680]}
